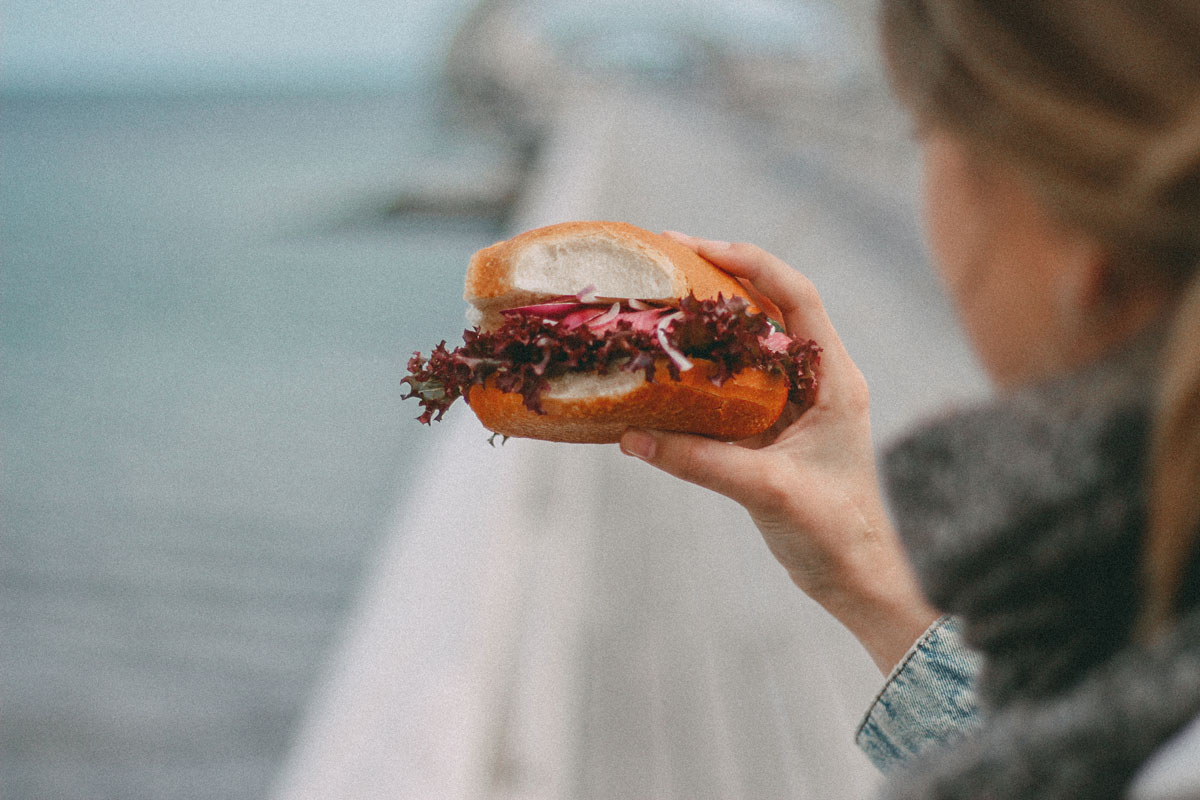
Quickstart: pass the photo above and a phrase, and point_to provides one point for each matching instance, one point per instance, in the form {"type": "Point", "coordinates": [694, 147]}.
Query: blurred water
{"type": "Point", "coordinates": [204, 315]}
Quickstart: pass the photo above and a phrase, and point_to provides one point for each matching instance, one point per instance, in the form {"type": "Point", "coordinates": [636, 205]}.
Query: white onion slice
{"type": "Point", "coordinates": [546, 310]}
{"type": "Point", "coordinates": [673, 352]}
{"type": "Point", "coordinates": [606, 317]}
{"type": "Point", "coordinates": [583, 316]}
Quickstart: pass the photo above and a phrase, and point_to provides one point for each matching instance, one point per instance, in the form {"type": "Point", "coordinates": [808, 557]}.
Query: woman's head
{"type": "Point", "coordinates": [1094, 106]}
{"type": "Point", "coordinates": [1095, 102]}
{"type": "Point", "coordinates": [1035, 295]}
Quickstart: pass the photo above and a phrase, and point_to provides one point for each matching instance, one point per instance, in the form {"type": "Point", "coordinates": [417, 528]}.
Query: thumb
{"type": "Point", "coordinates": [719, 466]}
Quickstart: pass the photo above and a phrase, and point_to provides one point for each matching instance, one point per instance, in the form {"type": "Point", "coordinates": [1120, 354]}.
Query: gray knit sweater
{"type": "Point", "coordinates": [1025, 518]}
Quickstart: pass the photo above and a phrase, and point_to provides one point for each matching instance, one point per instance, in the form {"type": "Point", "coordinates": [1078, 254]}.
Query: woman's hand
{"type": "Point", "coordinates": [809, 482]}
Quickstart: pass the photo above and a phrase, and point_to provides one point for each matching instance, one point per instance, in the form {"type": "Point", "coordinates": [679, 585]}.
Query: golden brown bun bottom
{"type": "Point", "coordinates": [745, 405]}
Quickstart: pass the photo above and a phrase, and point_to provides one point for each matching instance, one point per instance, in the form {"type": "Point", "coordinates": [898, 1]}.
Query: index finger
{"type": "Point", "coordinates": [795, 295]}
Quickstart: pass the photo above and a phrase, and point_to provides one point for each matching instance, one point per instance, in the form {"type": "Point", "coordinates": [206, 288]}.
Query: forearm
{"type": "Point", "coordinates": [875, 595]}
{"type": "Point", "coordinates": [809, 482]}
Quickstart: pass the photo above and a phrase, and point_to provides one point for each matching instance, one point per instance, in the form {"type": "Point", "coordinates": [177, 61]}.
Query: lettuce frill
{"type": "Point", "coordinates": [539, 343]}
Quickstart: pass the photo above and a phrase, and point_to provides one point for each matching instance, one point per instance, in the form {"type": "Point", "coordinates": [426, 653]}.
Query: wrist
{"type": "Point", "coordinates": [881, 603]}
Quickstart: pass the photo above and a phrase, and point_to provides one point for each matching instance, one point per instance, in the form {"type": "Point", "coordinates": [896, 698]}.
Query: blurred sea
{"type": "Point", "coordinates": [205, 311]}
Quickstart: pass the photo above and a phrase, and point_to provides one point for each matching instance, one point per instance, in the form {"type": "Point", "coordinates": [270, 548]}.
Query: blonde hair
{"type": "Point", "coordinates": [1097, 104]}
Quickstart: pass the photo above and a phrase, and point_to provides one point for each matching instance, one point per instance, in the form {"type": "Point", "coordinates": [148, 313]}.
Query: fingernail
{"type": "Point", "coordinates": [683, 237]}
{"type": "Point", "coordinates": [638, 444]}
{"type": "Point", "coordinates": [711, 244]}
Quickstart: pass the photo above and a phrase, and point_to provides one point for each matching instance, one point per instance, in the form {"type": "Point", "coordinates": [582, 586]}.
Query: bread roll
{"type": "Point", "coordinates": [617, 260]}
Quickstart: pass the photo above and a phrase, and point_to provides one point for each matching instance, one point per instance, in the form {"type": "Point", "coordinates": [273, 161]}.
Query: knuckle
{"type": "Point", "coordinates": [857, 394]}
{"type": "Point", "coordinates": [751, 255]}
{"type": "Point", "coordinates": [748, 249]}
{"type": "Point", "coordinates": [688, 462]}
{"type": "Point", "coordinates": [774, 487]}
{"type": "Point", "coordinates": [681, 455]}
{"type": "Point", "coordinates": [710, 464]}
{"type": "Point", "coordinates": [804, 291]}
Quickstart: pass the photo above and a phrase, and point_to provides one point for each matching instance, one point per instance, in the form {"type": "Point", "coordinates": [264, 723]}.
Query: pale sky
{"type": "Point", "coordinates": [182, 43]}
{"type": "Point", "coordinates": [101, 42]}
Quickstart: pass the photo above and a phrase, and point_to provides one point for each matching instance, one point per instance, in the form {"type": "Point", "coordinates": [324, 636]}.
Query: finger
{"type": "Point", "coordinates": [794, 294]}
{"type": "Point", "coordinates": [689, 241]}
{"type": "Point", "coordinates": [798, 300]}
{"type": "Point", "coordinates": [724, 468]}
{"type": "Point", "coordinates": [764, 303]}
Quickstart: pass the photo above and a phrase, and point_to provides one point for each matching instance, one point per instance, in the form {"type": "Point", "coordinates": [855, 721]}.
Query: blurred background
{"type": "Point", "coordinates": [224, 227]}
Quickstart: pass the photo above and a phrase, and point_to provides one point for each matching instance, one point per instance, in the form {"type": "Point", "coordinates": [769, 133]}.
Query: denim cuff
{"type": "Point", "coordinates": [928, 699]}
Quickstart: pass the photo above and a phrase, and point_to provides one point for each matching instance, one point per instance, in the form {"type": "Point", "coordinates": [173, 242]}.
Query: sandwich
{"type": "Point", "coordinates": [584, 329]}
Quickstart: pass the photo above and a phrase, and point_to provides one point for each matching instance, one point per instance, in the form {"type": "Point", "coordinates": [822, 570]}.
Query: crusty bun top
{"type": "Point", "coordinates": [620, 260]}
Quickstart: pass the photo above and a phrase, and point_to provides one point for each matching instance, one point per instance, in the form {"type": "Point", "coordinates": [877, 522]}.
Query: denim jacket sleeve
{"type": "Point", "coordinates": [928, 699]}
